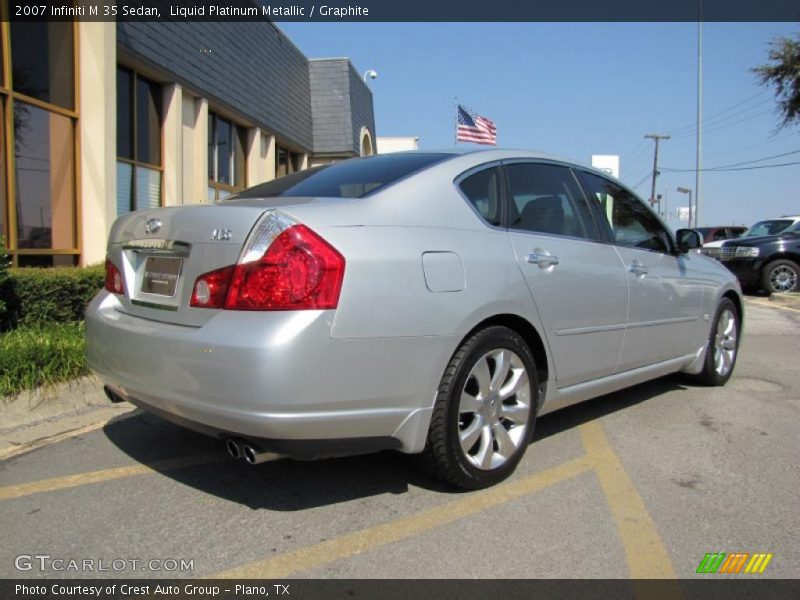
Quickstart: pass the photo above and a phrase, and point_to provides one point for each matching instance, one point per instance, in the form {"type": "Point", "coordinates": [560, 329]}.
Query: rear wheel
{"type": "Point", "coordinates": [484, 412]}
{"type": "Point", "coordinates": [781, 276]}
{"type": "Point", "coordinates": [723, 345]}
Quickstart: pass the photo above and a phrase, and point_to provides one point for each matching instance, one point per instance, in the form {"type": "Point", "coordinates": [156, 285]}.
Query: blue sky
{"type": "Point", "coordinates": [577, 89]}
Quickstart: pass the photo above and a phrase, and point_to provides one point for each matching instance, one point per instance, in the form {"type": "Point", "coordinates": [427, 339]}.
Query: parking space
{"type": "Point", "coordinates": [640, 483]}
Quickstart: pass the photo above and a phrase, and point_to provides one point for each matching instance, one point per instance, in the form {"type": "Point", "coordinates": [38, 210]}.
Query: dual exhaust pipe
{"type": "Point", "coordinates": [251, 454]}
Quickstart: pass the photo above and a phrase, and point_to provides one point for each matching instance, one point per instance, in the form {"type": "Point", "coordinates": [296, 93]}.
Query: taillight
{"type": "Point", "coordinates": [284, 266]}
{"type": "Point", "coordinates": [210, 289]}
{"type": "Point", "coordinates": [113, 278]}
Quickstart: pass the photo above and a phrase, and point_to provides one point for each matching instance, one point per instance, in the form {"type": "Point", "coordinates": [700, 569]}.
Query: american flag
{"type": "Point", "coordinates": [475, 128]}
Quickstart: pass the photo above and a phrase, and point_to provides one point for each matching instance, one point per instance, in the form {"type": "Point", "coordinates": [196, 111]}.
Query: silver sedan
{"type": "Point", "coordinates": [428, 302]}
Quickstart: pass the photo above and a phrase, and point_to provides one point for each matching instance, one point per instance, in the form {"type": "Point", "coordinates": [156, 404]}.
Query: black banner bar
{"type": "Point", "coordinates": [406, 11]}
{"type": "Point", "coordinates": [734, 588]}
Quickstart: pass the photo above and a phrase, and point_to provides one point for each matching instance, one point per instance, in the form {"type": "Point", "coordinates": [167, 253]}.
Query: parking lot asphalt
{"type": "Point", "coordinates": [640, 483]}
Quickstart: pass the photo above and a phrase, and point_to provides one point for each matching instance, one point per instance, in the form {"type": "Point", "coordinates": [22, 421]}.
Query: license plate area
{"type": "Point", "coordinates": [160, 276]}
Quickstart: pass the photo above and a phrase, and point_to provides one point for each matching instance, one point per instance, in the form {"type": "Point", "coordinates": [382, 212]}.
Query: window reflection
{"type": "Point", "coordinates": [43, 148]}
{"type": "Point", "coordinates": [42, 57]}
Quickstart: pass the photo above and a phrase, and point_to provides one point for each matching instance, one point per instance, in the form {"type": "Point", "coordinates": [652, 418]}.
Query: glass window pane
{"type": "Point", "coordinates": [41, 55]}
{"type": "Point", "coordinates": [148, 121]}
{"type": "Point", "coordinates": [281, 163]}
{"type": "Point", "coordinates": [124, 188]}
{"type": "Point", "coordinates": [212, 194]}
{"type": "Point", "coordinates": [483, 191]}
{"type": "Point", "coordinates": [224, 151]}
{"type": "Point", "coordinates": [212, 135]}
{"type": "Point", "coordinates": [148, 188]}
{"type": "Point", "coordinates": [239, 157]}
{"type": "Point", "coordinates": [3, 231]}
{"type": "Point", "coordinates": [45, 171]}
{"type": "Point", "coordinates": [124, 114]}
{"type": "Point", "coordinates": [224, 194]}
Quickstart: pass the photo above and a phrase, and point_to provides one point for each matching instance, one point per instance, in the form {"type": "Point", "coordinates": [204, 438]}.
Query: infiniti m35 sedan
{"type": "Point", "coordinates": [428, 302]}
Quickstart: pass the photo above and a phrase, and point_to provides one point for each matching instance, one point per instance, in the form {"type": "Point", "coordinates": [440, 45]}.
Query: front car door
{"type": "Point", "coordinates": [665, 298]}
{"type": "Point", "coordinates": [577, 283]}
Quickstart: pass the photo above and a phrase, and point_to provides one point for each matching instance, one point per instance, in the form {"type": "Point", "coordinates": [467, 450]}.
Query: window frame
{"type": "Point", "coordinates": [213, 183]}
{"type": "Point", "coordinates": [602, 220]}
{"type": "Point", "coordinates": [134, 162]}
{"type": "Point", "coordinates": [497, 164]}
{"type": "Point", "coordinates": [8, 96]}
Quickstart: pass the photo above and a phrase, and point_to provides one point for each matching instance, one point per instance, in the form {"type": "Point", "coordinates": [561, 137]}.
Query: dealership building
{"type": "Point", "coordinates": [100, 119]}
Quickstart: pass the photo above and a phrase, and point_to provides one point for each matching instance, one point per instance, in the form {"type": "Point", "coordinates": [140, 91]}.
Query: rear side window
{"type": "Point", "coordinates": [546, 199]}
{"type": "Point", "coordinates": [483, 191]}
{"type": "Point", "coordinates": [353, 178]}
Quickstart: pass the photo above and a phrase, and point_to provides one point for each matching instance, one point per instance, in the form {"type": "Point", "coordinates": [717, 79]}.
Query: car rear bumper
{"type": "Point", "coordinates": [270, 377]}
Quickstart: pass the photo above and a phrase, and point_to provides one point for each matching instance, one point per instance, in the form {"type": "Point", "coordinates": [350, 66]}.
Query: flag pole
{"type": "Point", "coordinates": [455, 125]}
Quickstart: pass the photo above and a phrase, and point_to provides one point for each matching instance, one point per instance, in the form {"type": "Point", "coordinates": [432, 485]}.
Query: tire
{"type": "Point", "coordinates": [781, 276]}
{"type": "Point", "coordinates": [722, 347]}
{"type": "Point", "coordinates": [487, 398]}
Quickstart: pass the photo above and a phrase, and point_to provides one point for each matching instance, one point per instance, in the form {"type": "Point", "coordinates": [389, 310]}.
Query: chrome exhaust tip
{"type": "Point", "coordinates": [254, 456]}
{"type": "Point", "coordinates": [233, 448]}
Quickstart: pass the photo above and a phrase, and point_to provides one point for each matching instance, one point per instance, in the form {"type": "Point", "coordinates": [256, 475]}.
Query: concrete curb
{"type": "Point", "coordinates": [49, 414]}
{"type": "Point", "coordinates": [791, 299]}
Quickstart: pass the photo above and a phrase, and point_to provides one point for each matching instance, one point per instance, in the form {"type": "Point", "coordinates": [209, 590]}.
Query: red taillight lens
{"type": "Point", "coordinates": [298, 271]}
{"type": "Point", "coordinates": [210, 289]}
{"type": "Point", "coordinates": [113, 278]}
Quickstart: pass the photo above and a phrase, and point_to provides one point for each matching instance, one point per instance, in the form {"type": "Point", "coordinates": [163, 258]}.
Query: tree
{"type": "Point", "coordinates": [783, 74]}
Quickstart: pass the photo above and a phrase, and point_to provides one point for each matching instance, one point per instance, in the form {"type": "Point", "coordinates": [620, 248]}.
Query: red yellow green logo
{"type": "Point", "coordinates": [734, 562]}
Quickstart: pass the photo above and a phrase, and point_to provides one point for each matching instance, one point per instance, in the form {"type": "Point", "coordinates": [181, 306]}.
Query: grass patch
{"type": "Point", "coordinates": [34, 356]}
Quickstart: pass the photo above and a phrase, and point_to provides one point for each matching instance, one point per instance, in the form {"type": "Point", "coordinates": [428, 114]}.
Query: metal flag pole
{"type": "Point", "coordinates": [455, 124]}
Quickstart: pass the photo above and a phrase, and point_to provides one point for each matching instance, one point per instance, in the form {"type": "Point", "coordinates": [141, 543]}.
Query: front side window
{"type": "Point", "coordinates": [546, 199]}
{"type": "Point", "coordinates": [631, 223]}
{"type": "Point", "coordinates": [139, 118]}
{"type": "Point", "coordinates": [482, 189]}
{"type": "Point", "coordinates": [771, 227]}
{"type": "Point", "coordinates": [226, 157]}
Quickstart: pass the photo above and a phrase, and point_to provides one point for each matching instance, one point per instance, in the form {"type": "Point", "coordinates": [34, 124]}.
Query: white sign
{"type": "Point", "coordinates": [683, 213]}
{"type": "Point", "coordinates": [606, 162]}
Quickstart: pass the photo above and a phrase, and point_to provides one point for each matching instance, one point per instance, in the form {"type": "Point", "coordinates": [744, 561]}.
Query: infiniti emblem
{"type": "Point", "coordinates": [152, 226]}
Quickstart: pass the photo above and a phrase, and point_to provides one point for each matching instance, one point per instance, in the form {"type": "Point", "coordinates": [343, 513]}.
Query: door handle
{"type": "Point", "coordinates": [638, 269]}
{"type": "Point", "coordinates": [543, 260]}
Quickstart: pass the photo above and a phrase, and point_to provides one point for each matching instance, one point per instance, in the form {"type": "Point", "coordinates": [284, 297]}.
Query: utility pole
{"type": "Point", "coordinates": [698, 140]}
{"type": "Point", "coordinates": [656, 138]}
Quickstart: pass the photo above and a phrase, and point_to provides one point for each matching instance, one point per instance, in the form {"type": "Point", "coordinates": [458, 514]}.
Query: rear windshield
{"type": "Point", "coordinates": [353, 178]}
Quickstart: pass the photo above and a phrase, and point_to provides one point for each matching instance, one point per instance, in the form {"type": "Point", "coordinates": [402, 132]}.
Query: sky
{"type": "Point", "coordinates": [577, 89]}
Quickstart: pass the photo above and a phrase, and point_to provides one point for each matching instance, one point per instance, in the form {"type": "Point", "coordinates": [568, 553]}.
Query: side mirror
{"type": "Point", "coordinates": [688, 239]}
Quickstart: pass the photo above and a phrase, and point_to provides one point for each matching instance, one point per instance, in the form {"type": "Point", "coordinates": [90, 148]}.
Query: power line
{"type": "Point", "coordinates": [749, 168]}
{"type": "Point", "coordinates": [719, 119]}
{"type": "Point", "coordinates": [693, 126]}
{"type": "Point", "coordinates": [721, 127]}
{"type": "Point", "coordinates": [745, 162]}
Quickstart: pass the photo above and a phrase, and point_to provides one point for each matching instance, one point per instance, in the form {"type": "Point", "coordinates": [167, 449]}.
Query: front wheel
{"type": "Point", "coordinates": [722, 346]}
{"type": "Point", "coordinates": [781, 276]}
{"type": "Point", "coordinates": [484, 412]}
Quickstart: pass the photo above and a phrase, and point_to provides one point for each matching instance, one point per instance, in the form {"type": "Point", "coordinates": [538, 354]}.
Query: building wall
{"type": "Point", "coordinates": [387, 145]}
{"type": "Point", "coordinates": [361, 111]}
{"type": "Point", "coordinates": [330, 106]}
{"type": "Point", "coordinates": [251, 67]}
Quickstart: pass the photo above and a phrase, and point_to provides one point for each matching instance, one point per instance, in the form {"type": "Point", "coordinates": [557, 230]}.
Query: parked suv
{"type": "Point", "coordinates": [767, 256]}
{"type": "Point", "coordinates": [720, 234]}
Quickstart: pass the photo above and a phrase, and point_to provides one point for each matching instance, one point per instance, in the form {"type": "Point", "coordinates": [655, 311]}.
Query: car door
{"type": "Point", "coordinates": [665, 298]}
{"type": "Point", "coordinates": [578, 284]}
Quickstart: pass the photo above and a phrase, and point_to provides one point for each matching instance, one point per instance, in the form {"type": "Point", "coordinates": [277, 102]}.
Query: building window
{"type": "Point", "coordinates": [139, 118]}
{"type": "Point", "coordinates": [281, 162]}
{"type": "Point", "coordinates": [38, 183]}
{"type": "Point", "coordinates": [227, 161]}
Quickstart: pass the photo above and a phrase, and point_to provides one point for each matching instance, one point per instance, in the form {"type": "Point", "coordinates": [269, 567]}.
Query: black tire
{"type": "Point", "coordinates": [443, 455]}
{"type": "Point", "coordinates": [778, 271]}
{"type": "Point", "coordinates": [710, 375]}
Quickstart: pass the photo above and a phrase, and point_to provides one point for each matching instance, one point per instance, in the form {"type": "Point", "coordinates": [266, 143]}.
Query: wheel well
{"type": "Point", "coordinates": [737, 302]}
{"type": "Point", "coordinates": [528, 333]}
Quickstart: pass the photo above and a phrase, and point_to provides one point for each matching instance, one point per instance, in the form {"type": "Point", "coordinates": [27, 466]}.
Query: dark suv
{"type": "Point", "coordinates": [767, 256]}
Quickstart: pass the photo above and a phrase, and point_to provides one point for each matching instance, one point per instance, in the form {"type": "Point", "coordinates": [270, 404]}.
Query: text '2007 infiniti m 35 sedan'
{"type": "Point", "coordinates": [429, 302]}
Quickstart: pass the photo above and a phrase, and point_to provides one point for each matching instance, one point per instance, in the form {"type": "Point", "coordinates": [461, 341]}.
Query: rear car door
{"type": "Point", "coordinates": [577, 283]}
{"type": "Point", "coordinates": [665, 297]}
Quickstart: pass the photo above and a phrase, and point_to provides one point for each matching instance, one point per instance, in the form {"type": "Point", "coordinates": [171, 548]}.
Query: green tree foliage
{"type": "Point", "coordinates": [782, 73]}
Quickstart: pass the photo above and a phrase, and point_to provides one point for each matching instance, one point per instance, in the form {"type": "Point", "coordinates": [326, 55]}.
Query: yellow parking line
{"type": "Point", "coordinates": [771, 304]}
{"type": "Point", "coordinates": [405, 527]}
{"type": "Point", "coordinates": [70, 481]}
{"type": "Point", "coordinates": [647, 557]}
